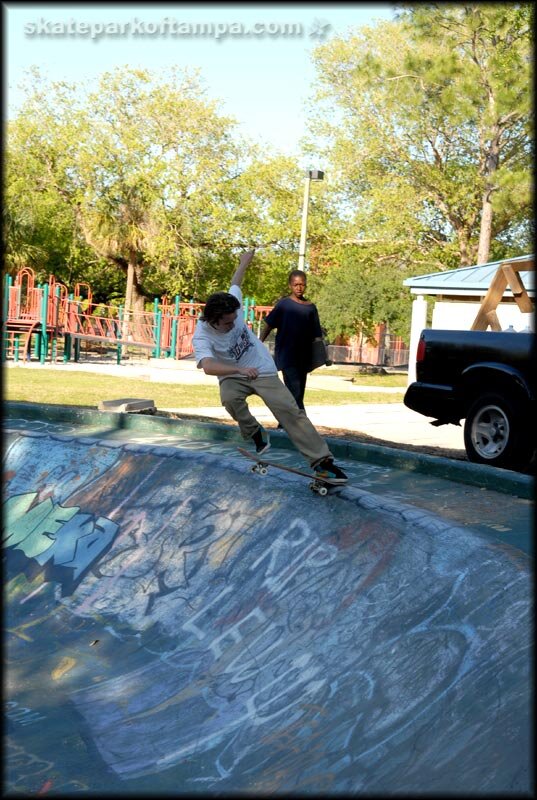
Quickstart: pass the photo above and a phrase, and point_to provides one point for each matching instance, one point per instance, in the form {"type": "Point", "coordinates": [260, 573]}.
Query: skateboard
{"type": "Point", "coordinates": [317, 485]}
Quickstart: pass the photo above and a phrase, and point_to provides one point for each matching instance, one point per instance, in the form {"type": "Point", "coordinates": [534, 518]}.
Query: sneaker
{"type": "Point", "coordinates": [261, 440]}
{"type": "Point", "coordinates": [327, 469]}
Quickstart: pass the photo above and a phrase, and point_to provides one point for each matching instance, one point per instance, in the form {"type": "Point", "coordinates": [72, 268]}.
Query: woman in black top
{"type": "Point", "coordinates": [297, 322]}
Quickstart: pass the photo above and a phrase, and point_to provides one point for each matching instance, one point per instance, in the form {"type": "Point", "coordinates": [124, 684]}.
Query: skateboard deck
{"type": "Point", "coordinates": [317, 485]}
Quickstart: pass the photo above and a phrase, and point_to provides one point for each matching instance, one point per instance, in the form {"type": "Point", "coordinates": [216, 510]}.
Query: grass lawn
{"type": "Point", "coordinates": [88, 389]}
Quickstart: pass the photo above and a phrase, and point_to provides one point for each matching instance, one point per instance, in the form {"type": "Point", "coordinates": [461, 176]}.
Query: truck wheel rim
{"type": "Point", "coordinates": [490, 432]}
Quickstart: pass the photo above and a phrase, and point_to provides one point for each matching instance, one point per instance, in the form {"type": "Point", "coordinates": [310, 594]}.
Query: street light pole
{"type": "Point", "coordinates": [313, 175]}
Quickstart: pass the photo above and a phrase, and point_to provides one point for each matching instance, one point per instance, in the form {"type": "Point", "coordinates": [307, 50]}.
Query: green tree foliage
{"type": "Point", "coordinates": [422, 125]}
{"type": "Point", "coordinates": [435, 109]}
{"type": "Point", "coordinates": [489, 87]}
{"type": "Point", "coordinates": [39, 228]}
{"type": "Point", "coordinates": [425, 123]}
{"type": "Point", "coordinates": [145, 178]}
{"type": "Point", "coordinates": [356, 293]}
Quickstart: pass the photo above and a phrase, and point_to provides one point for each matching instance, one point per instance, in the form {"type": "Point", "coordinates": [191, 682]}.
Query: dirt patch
{"type": "Point", "coordinates": [363, 438]}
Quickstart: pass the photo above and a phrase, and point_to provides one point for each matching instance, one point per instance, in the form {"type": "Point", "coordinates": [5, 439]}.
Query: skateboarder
{"type": "Point", "coordinates": [224, 346]}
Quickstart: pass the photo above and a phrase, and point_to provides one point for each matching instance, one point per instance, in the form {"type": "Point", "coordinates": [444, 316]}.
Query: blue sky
{"type": "Point", "coordinates": [263, 81]}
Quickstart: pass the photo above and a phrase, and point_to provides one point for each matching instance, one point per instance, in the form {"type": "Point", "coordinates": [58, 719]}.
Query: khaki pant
{"type": "Point", "coordinates": [276, 396]}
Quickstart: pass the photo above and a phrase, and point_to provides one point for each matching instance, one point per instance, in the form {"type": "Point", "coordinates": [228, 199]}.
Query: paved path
{"type": "Point", "coordinates": [391, 422]}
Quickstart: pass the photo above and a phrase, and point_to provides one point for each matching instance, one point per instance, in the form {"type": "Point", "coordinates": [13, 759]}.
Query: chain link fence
{"type": "Point", "coordinates": [374, 356]}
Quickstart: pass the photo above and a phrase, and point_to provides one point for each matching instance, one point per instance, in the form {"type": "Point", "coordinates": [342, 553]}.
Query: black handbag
{"type": "Point", "coordinates": [319, 355]}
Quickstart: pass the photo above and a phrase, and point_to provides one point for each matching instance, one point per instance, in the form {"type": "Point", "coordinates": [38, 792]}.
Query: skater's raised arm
{"type": "Point", "coordinates": [241, 269]}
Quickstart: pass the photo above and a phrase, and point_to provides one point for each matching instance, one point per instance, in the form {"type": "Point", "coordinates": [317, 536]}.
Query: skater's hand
{"type": "Point", "coordinates": [241, 269]}
{"type": "Point", "coordinates": [249, 372]}
{"type": "Point", "coordinates": [246, 258]}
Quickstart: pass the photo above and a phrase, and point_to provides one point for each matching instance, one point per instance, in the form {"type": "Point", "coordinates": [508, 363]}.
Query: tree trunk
{"type": "Point", "coordinates": [134, 298]}
{"type": "Point", "coordinates": [485, 231]}
{"type": "Point", "coordinates": [138, 297]}
{"type": "Point", "coordinates": [130, 288]}
{"type": "Point", "coordinates": [491, 163]}
{"type": "Point", "coordinates": [465, 250]}
{"type": "Point", "coordinates": [129, 291]}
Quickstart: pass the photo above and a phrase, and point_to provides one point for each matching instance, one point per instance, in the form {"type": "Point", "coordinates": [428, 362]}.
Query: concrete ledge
{"type": "Point", "coordinates": [128, 405]}
{"type": "Point", "coordinates": [499, 480]}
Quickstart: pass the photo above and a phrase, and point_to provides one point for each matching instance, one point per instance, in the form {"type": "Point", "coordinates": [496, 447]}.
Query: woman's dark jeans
{"type": "Point", "coordinates": [295, 380]}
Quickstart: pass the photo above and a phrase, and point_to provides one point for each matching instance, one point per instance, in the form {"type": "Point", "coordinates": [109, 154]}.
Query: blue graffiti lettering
{"type": "Point", "coordinates": [64, 541]}
{"type": "Point", "coordinates": [80, 541]}
{"type": "Point", "coordinates": [31, 526]}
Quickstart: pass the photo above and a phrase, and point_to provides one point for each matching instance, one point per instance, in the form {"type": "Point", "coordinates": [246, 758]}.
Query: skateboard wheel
{"type": "Point", "coordinates": [263, 470]}
{"type": "Point", "coordinates": [323, 491]}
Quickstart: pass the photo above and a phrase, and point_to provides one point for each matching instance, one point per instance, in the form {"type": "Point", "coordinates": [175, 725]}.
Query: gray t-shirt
{"type": "Point", "coordinates": [239, 346]}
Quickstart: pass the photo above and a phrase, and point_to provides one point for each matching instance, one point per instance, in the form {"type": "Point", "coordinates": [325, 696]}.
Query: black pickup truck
{"type": "Point", "coordinates": [487, 379]}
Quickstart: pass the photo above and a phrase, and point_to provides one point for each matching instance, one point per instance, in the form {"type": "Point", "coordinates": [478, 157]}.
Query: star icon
{"type": "Point", "coordinates": [319, 29]}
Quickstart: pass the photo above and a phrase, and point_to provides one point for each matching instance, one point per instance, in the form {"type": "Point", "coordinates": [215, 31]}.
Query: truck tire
{"type": "Point", "coordinates": [496, 433]}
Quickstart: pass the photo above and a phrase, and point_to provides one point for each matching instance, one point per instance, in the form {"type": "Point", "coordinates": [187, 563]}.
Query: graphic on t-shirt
{"type": "Point", "coordinates": [241, 346]}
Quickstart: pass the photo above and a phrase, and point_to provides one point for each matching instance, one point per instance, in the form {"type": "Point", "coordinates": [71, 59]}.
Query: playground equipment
{"type": "Point", "coordinates": [45, 318]}
{"type": "Point", "coordinates": [45, 321]}
{"type": "Point", "coordinates": [31, 314]}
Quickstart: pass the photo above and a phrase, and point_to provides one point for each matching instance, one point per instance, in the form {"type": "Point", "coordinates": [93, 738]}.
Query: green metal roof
{"type": "Point", "coordinates": [468, 280]}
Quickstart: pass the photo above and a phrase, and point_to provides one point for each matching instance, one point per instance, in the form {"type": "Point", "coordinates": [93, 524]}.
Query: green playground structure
{"type": "Point", "coordinates": [45, 321]}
